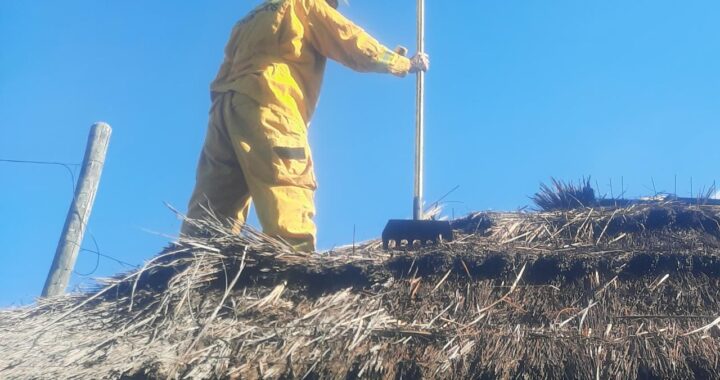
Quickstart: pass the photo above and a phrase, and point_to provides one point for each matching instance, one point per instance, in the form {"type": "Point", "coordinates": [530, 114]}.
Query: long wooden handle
{"type": "Point", "coordinates": [79, 213]}
{"type": "Point", "coordinates": [419, 117]}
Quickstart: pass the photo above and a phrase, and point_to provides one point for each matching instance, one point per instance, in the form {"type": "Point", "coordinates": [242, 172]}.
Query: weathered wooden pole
{"type": "Point", "coordinates": [79, 213]}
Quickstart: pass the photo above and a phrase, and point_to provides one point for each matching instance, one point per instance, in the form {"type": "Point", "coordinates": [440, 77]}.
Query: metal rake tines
{"type": "Point", "coordinates": [424, 232]}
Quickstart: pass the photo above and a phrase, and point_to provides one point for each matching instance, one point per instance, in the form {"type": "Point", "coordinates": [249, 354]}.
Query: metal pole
{"type": "Point", "coordinates": [79, 213]}
{"type": "Point", "coordinates": [419, 117]}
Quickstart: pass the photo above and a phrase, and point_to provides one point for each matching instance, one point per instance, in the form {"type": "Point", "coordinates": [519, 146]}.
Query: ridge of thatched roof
{"type": "Point", "coordinates": [608, 293]}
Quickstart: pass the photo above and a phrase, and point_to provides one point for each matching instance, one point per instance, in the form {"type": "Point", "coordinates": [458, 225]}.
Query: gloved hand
{"type": "Point", "coordinates": [419, 62]}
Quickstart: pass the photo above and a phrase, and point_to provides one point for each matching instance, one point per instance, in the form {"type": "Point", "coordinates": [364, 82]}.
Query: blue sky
{"type": "Point", "coordinates": [518, 92]}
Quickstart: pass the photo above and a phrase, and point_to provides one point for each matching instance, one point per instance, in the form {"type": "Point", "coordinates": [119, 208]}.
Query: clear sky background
{"type": "Point", "coordinates": [519, 91]}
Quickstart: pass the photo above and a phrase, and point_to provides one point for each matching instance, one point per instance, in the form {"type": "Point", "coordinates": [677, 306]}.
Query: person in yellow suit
{"type": "Point", "coordinates": [263, 98]}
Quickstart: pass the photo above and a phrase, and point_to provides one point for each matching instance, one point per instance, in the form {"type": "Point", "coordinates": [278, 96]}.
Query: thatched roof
{"type": "Point", "coordinates": [588, 293]}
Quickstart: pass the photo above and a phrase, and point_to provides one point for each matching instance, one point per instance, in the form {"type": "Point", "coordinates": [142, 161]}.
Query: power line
{"type": "Point", "coordinates": [96, 251]}
{"type": "Point", "coordinates": [99, 254]}
{"type": "Point", "coordinates": [97, 260]}
{"type": "Point", "coordinates": [125, 263]}
{"type": "Point", "coordinates": [39, 162]}
{"type": "Point", "coordinates": [52, 163]}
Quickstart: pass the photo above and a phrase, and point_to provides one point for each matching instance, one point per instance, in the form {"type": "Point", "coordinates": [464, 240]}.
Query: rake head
{"type": "Point", "coordinates": [406, 233]}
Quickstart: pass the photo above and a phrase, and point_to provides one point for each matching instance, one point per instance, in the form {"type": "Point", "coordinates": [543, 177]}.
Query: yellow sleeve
{"type": "Point", "coordinates": [337, 38]}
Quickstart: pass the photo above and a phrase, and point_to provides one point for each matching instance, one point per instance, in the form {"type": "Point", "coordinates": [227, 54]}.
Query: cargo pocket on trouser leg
{"type": "Point", "coordinates": [293, 195]}
{"type": "Point", "coordinates": [279, 172]}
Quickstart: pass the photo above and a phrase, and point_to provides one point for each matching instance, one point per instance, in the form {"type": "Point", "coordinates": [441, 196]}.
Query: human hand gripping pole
{"type": "Point", "coordinates": [419, 63]}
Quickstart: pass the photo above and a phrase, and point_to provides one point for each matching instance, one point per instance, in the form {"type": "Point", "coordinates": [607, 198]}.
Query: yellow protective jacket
{"type": "Point", "coordinates": [277, 55]}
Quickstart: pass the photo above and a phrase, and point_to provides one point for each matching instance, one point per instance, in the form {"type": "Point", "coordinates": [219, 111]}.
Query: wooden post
{"type": "Point", "coordinates": [79, 213]}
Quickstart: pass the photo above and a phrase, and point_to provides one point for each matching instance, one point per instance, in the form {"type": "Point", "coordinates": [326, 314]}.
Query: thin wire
{"type": "Point", "coordinates": [437, 202]}
{"type": "Point", "coordinates": [97, 258]}
{"type": "Point", "coordinates": [125, 263]}
{"type": "Point", "coordinates": [39, 162]}
{"type": "Point", "coordinates": [99, 254]}
{"type": "Point", "coordinates": [63, 164]}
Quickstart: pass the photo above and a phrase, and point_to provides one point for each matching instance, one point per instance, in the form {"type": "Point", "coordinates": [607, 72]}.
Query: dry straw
{"type": "Point", "coordinates": [591, 293]}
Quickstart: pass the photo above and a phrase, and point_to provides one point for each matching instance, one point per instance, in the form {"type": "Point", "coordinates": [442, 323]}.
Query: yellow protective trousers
{"type": "Point", "coordinates": [253, 152]}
